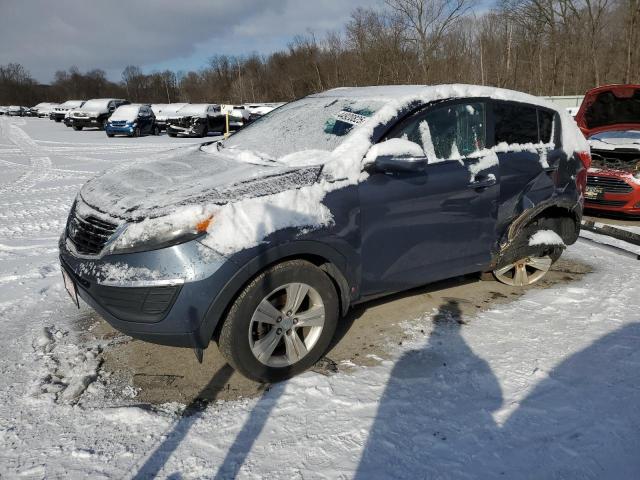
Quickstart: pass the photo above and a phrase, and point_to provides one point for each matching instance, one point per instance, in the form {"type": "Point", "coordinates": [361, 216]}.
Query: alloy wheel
{"type": "Point", "coordinates": [525, 271]}
{"type": "Point", "coordinates": [286, 325]}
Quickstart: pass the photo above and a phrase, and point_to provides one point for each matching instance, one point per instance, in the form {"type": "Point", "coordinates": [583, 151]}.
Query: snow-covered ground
{"type": "Point", "coordinates": [543, 387]}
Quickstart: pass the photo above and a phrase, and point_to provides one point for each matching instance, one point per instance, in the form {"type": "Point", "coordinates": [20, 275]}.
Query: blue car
{"type": "Point", "coordinates": [263, 242]}
{"type": "Point", "coordinates": [133, 120]}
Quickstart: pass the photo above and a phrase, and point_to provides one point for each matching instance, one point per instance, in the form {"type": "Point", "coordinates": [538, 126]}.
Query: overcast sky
{"type": "Point", "coordinates": [48, 35]}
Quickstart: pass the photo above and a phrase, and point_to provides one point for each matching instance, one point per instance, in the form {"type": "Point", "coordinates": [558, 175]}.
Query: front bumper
{"type": "Point", "coordinates": [86, 122]}
{"type": "Point", "coordinates": [58, 116]}
{"type": "Point", "coordinates": [179, 130]}
{"type": "Point", "coordinates": [622, 203]}
{"type": "Point", "coordinates": [160, 296]}
{"type": "Point", "coordinates": [119, 129]}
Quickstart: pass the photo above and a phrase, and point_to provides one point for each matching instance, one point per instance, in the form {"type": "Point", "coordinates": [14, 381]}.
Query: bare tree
{"type": "Point", "coordinates": [427, 21]}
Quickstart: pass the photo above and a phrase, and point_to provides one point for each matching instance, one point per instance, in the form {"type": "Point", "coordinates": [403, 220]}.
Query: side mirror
{"type": "Point", "coordinates": [398, 155]}
{"type": "Point", "coordinates": [389, 163]}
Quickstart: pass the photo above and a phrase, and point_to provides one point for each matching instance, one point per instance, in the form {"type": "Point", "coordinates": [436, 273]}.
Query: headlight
{"type": "Point", "coordinates": [163, 232]}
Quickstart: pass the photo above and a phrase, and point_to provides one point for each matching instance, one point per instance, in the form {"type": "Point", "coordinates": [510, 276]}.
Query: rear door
{"type": "Point", "coordinates": [526, 142]}
{"type": "Point", "coordinates": [423, 226]}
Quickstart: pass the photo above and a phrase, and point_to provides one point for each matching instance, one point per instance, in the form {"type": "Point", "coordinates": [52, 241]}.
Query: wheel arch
{"type": "Point", "coordinates": [563, 217]}
{"type": "Point", "coordinates": [324, 257]}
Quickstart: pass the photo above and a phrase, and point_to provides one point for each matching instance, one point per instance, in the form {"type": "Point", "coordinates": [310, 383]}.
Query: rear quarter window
{"type": "Point", "coordinates": [545, 122]}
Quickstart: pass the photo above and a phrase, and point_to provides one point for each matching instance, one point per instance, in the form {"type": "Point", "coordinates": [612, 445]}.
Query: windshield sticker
{"type": "Point", "coordinates": [350, 117]}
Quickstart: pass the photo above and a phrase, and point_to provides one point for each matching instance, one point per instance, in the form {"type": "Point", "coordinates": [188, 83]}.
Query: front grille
{"type": "Point", "coordinates": [137, 304]}
{"type": "Point", "coordinates": [607, 203]}
{"type": "Point", "coordinates": [88, 234]}
{"type": "Point", "coordinates": [118, 123]}
{"type": "Point", "coordinates": [609, 184]}
{"type": "Point", "coordinates": [181, 122]}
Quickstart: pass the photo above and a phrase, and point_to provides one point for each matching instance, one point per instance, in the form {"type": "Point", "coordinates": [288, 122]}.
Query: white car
{"type": "Point", "coordinates": [60, 112]}
{"type": "Point", "coordinates": [259, 109]}
{"type": "Point", "coordinates": [45, 110]}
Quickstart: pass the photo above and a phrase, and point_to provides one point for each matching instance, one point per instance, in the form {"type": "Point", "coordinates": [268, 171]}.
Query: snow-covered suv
{"type": "Point", "coordinates": [262, 242]}
{"type": "Point", "coordinates": [94, 113]}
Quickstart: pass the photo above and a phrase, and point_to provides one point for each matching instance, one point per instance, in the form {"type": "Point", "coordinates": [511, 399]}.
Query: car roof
{"type": "Point", "coordinates": [426, 93]}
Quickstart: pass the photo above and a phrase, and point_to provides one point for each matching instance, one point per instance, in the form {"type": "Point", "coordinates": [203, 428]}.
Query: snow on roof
{"type": "Point", "coordinates": [434, 92]}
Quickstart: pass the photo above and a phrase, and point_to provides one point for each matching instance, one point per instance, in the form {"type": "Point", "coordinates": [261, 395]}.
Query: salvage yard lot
{"type": "Point", "coordinates": [458, 379]}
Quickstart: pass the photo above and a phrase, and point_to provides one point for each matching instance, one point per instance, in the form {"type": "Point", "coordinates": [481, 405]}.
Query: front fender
{"type": "Point", "coordinates": [329, 259]}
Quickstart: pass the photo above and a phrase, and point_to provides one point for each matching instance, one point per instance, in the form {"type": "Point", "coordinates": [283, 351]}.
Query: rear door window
{"type": "Point", "coordinates": [515, 124]}
{"type": "Point", "coordinates": [519, 124]}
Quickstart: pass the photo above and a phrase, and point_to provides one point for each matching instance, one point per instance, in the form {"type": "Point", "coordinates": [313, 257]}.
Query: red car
{"type": "Point", "coordinates": [609, 118]}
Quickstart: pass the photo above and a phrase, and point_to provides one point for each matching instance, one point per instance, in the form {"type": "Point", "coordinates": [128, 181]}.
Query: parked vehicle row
{"type": "Point", "coordinates": [118, 116]}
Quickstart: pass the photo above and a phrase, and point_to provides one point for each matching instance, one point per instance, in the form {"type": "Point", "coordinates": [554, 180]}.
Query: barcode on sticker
{"type": "Point", "coordinates": [350, 117]}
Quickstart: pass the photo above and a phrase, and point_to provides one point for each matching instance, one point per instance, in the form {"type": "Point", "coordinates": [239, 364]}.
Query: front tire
{"type": "Point", "coordinates": [77, 128]}
{"type": "Point", "coordinates": [281, 323]}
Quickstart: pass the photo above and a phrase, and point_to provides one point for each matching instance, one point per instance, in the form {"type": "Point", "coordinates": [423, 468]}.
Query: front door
{"type": "Point", "coordinates": [418, 227]}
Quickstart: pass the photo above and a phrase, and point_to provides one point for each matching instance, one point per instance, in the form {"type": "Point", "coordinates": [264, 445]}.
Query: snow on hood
{"type": "Point", "coordinates": [128, 113]}
{"type": "Point", "coordinates": [70, 104]}
{"type": "Point", "coordinates": [95, 105]}
{"type": "Point", "coordinates": [190, 177]}
{"type": "Point", "coordinates": [166, 110]}
{"type": "Point", "coordinates": [193, 109]}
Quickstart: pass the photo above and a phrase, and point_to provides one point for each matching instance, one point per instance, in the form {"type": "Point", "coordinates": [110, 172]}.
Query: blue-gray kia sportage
{"type": "Point", "coordinates": [263, 241]}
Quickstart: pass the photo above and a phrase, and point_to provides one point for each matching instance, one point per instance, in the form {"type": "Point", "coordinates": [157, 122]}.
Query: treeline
{"type": "Point", "coordinates": [545, 47]}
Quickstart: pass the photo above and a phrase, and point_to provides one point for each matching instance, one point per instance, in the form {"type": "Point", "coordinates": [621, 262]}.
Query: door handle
{"type": "Point", "coordinates": [483, 183]}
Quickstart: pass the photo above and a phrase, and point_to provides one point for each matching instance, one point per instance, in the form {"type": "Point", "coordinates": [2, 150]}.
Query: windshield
{"type": "Point", "coordinates": [312, 123]}
{"type": "Point", "coordinates": [71, 104]}
{"type": "Point", "coordinates": [126, 112]}
{"type": "Point", "coordinates": [194, 109]}
{"type": "Point", "coordinates": [169, 108]}
{"type": "Point", "coordinates": [96, 105]}
{"type": "Point", "coordinates": [618, 137]}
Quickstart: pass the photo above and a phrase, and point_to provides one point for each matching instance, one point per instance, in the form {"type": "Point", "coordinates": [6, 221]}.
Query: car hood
{"type": "Point", "coordinates": [94, 112]}
{"type": "Point", "coordinates": [609, 108]}
{"type": "Point", "coordinates": [189, 176]}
